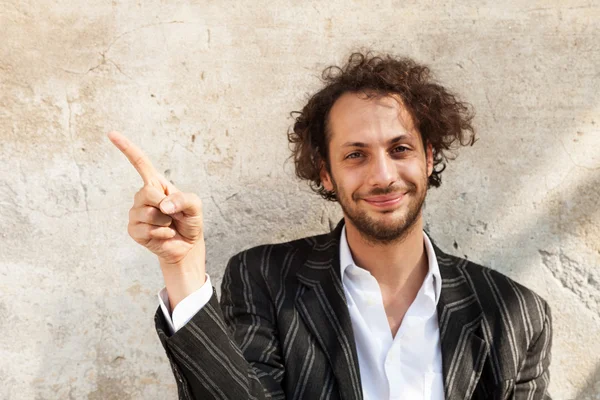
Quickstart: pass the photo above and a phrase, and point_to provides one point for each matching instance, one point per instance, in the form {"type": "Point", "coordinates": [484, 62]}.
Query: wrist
{"type": "Point", "coordinates": [185, 277]}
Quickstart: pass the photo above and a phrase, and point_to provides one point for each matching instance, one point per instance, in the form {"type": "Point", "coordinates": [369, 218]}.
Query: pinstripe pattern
{"type": "Point", "coordinates": [283, 331]}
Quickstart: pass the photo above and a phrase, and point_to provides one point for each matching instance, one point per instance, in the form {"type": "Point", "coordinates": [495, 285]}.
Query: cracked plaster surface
{"type": "Point", "coordinates": [205, 90]}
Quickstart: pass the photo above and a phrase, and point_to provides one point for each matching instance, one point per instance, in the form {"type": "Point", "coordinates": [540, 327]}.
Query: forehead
{"type": "Point", "coordinates": [362, 118]}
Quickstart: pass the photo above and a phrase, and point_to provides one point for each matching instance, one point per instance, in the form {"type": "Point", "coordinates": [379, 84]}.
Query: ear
{"type": "Point", "coordinates": [325, 177]}
{"type": "Point", "coordinates": [429, 159]}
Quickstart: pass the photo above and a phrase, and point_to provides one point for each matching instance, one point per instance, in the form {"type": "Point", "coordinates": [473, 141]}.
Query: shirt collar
{"type": "Point", "coordinates": [346, 260]}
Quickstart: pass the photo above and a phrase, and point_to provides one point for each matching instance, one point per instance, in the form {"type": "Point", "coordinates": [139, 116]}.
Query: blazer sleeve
{"type": "Point", "coordinates": [232, 356]}
{"type": "Point", "coordinates": [534, 377]}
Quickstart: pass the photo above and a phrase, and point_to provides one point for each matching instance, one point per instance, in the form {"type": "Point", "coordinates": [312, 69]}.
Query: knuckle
{"type": "Point", "coordinates": [131, 230]}
{"type": "Point", "coordinates": [149, 212]}
{"type": "Point", "coordinates": [154, 195]}
{"type": "Point", "coordinates": [148, 232]}
{"type": "Point", "coordinates": [175, 197]}
{"type": "Point", "coordinates": [139, 161]}
{"type": "Point", "coordinates": [155, 232]}
{"type": "Point", "coordinates": [146, 190]}
{"type": "Point", "coordinates": [138, 195]}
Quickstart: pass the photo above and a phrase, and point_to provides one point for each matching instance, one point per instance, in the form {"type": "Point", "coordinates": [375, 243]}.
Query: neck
{"type": "Point", "coordinates": [395, 265]}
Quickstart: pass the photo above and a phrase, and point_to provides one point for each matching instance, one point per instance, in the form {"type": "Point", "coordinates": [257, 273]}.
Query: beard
{"type": "Point", "coordinates": [372, 229]}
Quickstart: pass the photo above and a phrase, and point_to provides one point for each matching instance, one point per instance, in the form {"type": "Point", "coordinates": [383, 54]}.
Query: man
{"type": "Point", "coordinates": [372, 310]}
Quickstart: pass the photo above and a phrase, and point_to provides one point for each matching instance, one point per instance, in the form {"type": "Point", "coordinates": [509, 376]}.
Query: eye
{"type": "Point", "coordinates": [356, 154]}
{"type": "Point", "coordinates": [400, 149]}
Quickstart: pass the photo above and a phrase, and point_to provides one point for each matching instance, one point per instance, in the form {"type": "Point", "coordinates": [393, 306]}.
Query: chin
{"type": "Point", "coordinates": [392, 223]}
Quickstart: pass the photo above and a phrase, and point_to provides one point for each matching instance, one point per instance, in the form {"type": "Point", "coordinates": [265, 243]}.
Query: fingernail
{"type": "Point", "coordinates": [167, 207]}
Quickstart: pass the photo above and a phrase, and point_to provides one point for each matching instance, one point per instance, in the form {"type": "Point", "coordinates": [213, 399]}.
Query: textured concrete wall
{"type": "Point", "coordinates": [205, 87]}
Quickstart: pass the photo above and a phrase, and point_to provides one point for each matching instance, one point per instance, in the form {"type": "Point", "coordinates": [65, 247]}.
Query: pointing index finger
{"type": "Point", "coordinates": [136, 157]}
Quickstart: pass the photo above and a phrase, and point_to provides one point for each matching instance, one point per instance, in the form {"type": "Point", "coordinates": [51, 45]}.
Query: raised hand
{"type": "Point", "coordinates": [168, 223]}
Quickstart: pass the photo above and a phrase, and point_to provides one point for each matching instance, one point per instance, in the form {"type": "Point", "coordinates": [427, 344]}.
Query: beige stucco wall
{"type": "Point", "coordinates": [205, 87]}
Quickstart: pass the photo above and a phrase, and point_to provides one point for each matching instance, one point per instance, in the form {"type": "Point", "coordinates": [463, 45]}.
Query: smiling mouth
{"type": "Point", "coordinates": [385, 201]}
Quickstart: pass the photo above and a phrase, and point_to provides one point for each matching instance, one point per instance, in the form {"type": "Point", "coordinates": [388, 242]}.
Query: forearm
{"type": "Point", "coordinates": [185, 277]}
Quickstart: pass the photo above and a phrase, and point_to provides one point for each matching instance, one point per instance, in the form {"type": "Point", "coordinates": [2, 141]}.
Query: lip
{"type": "Point", "coordinates": [384, 201]}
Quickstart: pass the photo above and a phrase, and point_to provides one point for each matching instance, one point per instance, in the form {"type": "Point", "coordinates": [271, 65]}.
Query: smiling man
{"type": "Point", "coordinates": [372, 310]}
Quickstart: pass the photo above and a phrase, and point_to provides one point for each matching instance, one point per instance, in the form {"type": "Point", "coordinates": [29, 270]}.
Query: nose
{"type": "Point", "coordinates": [382, 172]}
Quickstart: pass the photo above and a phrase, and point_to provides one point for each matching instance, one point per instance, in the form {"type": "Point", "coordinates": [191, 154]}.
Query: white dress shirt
{"type": "Point", "coordinates": [407, 366]}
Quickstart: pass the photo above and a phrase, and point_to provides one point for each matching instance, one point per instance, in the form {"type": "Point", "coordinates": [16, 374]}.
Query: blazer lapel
{"type": "Point", "coordinates": [464, 351]}
{"type": "Point", "coordinates": [322, 305]}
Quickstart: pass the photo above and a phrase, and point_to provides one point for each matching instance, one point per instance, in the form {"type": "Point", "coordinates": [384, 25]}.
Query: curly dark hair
{"type": "Point", "coordinates": [439, 116]}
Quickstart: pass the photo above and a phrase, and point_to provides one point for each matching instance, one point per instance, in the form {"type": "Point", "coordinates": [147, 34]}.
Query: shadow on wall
{"type": "Point", "coordinates": [592, 390]}
{"type": "Point", "coordinates": [538, 117]}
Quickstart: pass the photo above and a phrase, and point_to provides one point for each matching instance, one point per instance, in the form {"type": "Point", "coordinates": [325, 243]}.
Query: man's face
{"type": "Point", "coordinates": [378, 167]}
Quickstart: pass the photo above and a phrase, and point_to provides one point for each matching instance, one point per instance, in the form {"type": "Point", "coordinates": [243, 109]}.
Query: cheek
{"type": "Point", "coordinates": [347, 181]}
{"type": "Point", "coordinates": [414, 170]}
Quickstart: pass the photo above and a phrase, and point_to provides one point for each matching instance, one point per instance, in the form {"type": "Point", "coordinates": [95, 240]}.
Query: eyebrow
{"type": "Point", "coordinates": [395, 140]}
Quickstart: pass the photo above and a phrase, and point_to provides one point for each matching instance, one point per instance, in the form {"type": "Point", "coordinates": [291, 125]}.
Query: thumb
{"type": "Point", "coordinates": [189, 204]}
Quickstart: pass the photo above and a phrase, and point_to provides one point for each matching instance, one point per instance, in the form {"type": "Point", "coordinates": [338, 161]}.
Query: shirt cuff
{"type": "Point", "coordinates": [187, 308]}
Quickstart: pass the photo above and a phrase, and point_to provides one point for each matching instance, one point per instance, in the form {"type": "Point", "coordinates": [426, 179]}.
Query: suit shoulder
{"type": "Point", "coordinates": [505, 301]}
{"type": "Point", "coordinates": [490, 282]}
{"type": "Point", "coordinates": [272, 259]}
{"type": "Point", "coordinates": [277, 249]}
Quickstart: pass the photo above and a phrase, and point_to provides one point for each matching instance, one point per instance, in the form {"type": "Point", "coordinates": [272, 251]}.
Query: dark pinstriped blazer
{"type": "Point", "coordinates": [283, 331]}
